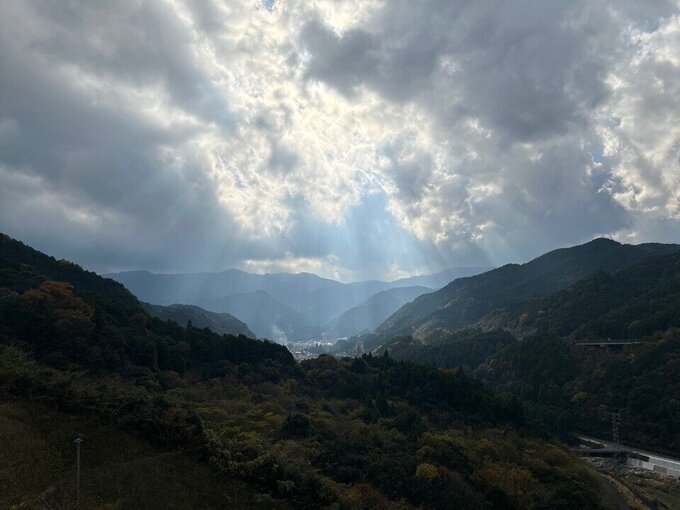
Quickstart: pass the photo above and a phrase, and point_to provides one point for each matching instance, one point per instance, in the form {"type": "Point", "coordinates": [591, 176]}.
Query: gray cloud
{"type": "Point", "coordinates": [525, 68]}
{"type": "Point", "coordinates": [533, 81]}
{"type": "Point", "coordinates": [352, 139]}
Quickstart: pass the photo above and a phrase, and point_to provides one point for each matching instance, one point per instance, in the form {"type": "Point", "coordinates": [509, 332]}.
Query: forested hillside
{"type": "Point", "coordinates": [369, 432]}
{"type": "Point", "coordinates": [220, 323]}
{"type": "Point", "coordinates": [633, 302]}
{"type": "Point", "coordinates": [569, 388]}
{"type": "Point", "coordinates": [529, 349]}
{"type": "Point", "coordinates": [66, 316]}
{"type": "Point", "coordinates": [466, 301]}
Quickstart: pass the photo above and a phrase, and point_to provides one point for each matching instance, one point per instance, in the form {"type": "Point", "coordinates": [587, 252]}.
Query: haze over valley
{"type": "Point", "coordinates": [289, 307]}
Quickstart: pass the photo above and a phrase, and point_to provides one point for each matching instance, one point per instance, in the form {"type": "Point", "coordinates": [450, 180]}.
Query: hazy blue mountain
{"type": "Point", "coordinates": [189, 288]}
{"type": "Point", "coordinates": [439, 280]}
{"type": "Point", "coordinates": [465, 301]}
{"type": "Point", "coordinates": [314, 301]}
{"type": "Point", "coordinates": [220, 323]}
{"type": "Point", "coordinates": [327, 303]}
{"type": "Point", "coordinates": [265, 315]}
{"type": "Point", "coordinates": [367, 316]}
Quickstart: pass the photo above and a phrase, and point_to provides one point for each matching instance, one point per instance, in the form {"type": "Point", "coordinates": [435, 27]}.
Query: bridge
{"type": "Point", "coordinates": [606, 343]}
{"type": "Point", "coordinates": [634, 457]}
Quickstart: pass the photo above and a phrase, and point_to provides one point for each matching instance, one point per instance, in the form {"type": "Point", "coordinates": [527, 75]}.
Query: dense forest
{"type": "Point", "coordinates": [530, 349]}
{"type": "Point", "coordinates": [368, 432]}
{"type": "Point", "coordinates": [571, 388]}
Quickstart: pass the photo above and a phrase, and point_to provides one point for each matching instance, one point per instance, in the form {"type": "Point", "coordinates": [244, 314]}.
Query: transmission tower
{"type": "Point", "coordinates": [616, 427]}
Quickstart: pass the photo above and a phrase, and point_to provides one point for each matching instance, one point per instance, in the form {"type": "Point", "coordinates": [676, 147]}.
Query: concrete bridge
{"type": "Point", "coordinates": [606, 343]}
{"type": "Point", "coordinates": [634, 457]}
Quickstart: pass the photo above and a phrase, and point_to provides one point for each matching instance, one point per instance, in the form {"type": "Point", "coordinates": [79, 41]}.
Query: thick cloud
{"type": "Point", "coordinates": [536, 115]}
{"type": "Point", "coordinates": [352, 138]}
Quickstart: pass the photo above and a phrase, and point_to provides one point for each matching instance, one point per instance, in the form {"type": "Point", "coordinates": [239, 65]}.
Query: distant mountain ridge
{"type": "Point", "coordinates": [367, 316]}
{"type": "Point", "coordinates": [439, 280]}
{"type": "Point", "coordinates": [180, 287]}
{"type": "Point", "coordinates": [304, 303]}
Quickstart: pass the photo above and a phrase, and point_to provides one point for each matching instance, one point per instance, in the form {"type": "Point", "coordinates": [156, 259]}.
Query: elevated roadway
{"type": "Point", "coordinates": [634, 457]}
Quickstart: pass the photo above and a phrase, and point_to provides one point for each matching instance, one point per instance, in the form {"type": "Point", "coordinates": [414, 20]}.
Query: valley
{"type": "Point", "coordinates": [463, 390]}
{"type": "Point", "coordinates": [339, 255]}
{"type": "Point", "coordinates": [287, 307]}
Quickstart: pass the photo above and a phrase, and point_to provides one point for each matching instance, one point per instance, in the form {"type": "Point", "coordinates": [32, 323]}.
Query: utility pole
{"type": "Point", "coordinates": [77, 441]}
{"type": "Point", "coordinates": [619, 456]}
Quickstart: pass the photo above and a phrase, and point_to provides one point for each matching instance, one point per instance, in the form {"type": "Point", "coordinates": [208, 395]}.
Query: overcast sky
{"type": "Point", "coordinates": [351, 138]}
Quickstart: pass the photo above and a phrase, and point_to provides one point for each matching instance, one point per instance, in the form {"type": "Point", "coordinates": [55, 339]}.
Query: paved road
{"type": "Point", "coordinates": [613, 446]}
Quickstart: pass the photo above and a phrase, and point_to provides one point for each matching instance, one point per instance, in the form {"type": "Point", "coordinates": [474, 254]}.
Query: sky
{"type": "Point", "coordinates": [350, 138]}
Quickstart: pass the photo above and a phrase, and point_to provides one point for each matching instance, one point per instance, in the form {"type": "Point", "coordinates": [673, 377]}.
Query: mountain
{"type": "Point", "coordinates": [119, 468]}
{"type": "Point", "coordinates": [265, 315]}
{"type": "Point", "coordinates": [531, 349]}
{"type": "Point", "coordinates": [220, 323]}
{"type": "Point", "coordinates": [633, 302]}
{"type": "Point", "coordinates": [439, 280]}
{"type": "Point", "coordinates": [314, 301]}
{"type": "Point", "coordinates": [466, 301]}
{"type": "Point", "coordinates": [62, 313]}
{"type": "Point", "coordinates": [368, 315]}
{"type": "Point", "coordinates": [178, 416]}
{"type": "Point", "coordinates": [327, 303]}
{"type": "Point", "coordinates": [189, 288]}
{"type": "Point", "coordinates": [570, 387]}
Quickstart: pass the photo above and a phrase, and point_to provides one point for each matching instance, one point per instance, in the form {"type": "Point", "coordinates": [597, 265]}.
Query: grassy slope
{"type": "Point", "coordinates": [118, 470]}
